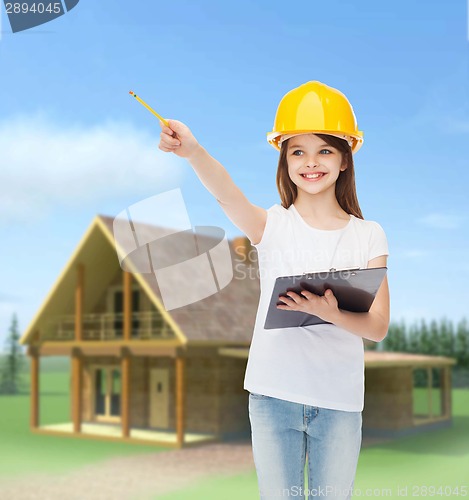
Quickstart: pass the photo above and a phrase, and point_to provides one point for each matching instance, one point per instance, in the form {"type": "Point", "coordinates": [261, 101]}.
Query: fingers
{"type": "Point", "coordinates": [168, 143]}
{"type": "Point", "coordinates": [291, 301]}
{"type": "Point", "coordinates": [167, 130]}
{"type": "Point", "coordinates": [166, 146]}
{"type": "Point", "coordinates": [291, 296]}
{"type": "Point", "coordinates": [307, 294]}
{"type": "Point", "coordinates": [167, 149]}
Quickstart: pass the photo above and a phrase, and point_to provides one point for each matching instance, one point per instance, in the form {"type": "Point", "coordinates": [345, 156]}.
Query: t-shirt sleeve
{"type": "Point", "coordinates": [269, 227]}
{"type": "Point", "coordinates": [378, 242]}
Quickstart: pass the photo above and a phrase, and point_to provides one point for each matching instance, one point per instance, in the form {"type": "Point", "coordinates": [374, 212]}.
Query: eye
{"type": "Point", "coordinates": [300, 151]}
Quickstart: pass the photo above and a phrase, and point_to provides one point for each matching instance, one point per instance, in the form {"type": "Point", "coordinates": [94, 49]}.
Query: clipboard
{"type": "Point", "coordinates": [355, 290]}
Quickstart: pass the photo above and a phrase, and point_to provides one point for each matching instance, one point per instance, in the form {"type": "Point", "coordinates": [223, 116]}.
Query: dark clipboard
{"type": "Point", "coordinates": [355, 290]}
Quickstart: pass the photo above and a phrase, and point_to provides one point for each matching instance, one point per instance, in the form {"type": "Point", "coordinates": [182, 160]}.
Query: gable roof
{"type": "Point", "coordinates": [226, 317]}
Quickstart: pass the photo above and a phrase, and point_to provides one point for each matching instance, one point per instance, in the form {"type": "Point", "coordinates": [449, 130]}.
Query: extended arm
{"type": "Point", "coordinates": [249, 218]}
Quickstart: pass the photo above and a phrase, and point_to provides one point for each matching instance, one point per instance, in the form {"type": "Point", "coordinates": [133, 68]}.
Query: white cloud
{"type": "Point", "coordinates": [442, 221]}
{"type": "Point", "coordinates": [44, 165]}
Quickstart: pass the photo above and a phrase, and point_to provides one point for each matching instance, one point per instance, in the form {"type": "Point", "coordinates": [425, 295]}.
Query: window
{"type": "Point", "coordinates": [107, 392]}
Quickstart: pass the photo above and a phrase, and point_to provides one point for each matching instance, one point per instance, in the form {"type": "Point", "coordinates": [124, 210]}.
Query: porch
{"type": "Point", "coordinates": [102, 385]}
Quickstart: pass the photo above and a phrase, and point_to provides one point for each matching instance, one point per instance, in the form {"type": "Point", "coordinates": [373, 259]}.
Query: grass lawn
{"type": "Point", "coordinates": [438, 459]}
{"type": "Point", "coordinates": [23, 452]}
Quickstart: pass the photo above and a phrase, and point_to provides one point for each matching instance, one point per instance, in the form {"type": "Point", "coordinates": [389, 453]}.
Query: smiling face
{"type": "Point", "coordinates": [313, 165]}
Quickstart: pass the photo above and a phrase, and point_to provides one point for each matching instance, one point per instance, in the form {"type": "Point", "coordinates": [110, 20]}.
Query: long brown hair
{"type": "Point", "coordinates": [345, 189]}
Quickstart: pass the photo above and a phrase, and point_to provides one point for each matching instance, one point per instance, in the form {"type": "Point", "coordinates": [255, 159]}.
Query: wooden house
{"type": "Point", "coordinates": [143, 374]}
{"type": "Point", "coordinates": [397, 402]}
{"type": "Point", "coordinates": [406, 393]}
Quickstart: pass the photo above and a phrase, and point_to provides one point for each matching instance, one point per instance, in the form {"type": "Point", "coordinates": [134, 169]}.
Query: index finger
{"type": "Point", "coordinates": [167, 130]}
{"type": "Point", "coordinates": [163, 125]}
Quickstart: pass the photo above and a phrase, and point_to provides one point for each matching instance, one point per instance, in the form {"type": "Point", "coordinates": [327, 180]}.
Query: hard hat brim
{"type": "Point", "coordinates": [273, 137]}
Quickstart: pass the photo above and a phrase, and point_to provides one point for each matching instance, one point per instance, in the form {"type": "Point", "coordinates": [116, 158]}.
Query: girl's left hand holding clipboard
{"type": "Point", "coordinates": [324, 306]}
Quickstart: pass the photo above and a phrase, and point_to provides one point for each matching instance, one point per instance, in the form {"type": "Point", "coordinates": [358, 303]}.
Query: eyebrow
{"type": "Point", "coordinates": [320, 146]}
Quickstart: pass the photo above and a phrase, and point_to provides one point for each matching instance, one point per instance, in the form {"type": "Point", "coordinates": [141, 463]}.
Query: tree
{"type": "Point", "coordinates": [434, 338]}
{"type": "Point", "coordinates": [12, 362]}
{"type": "Point", "coordinates": [396, 339]}
{"type": "Point", "coordinates": [425, 339]}
{"type": "Point", "coordinates": [446, 338]}
{"type": "Point", "coordinates": [462, 344]}
{"type": "Point", "coordinates": [413, 344]}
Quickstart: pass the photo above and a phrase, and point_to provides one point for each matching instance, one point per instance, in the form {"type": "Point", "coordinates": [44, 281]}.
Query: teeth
{"type": "Point", "coordinates": [311, 176]}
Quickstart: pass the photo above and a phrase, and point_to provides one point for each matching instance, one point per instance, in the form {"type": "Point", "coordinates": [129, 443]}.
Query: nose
{"type": "Point", "coordinates": [312, 160]}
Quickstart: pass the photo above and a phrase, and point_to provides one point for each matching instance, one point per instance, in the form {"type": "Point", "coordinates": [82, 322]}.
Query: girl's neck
{"type": "Point", "coordinates": [322, 208]}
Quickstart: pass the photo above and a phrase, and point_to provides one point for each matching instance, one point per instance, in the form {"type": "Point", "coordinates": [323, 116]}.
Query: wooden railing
{"type": "Point", "coordinates": [109, 326]}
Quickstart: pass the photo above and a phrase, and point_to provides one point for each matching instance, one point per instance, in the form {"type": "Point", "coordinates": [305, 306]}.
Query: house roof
{"type": "Point", "coordinates": [387, 358]}
{"type": "Point", "coordinates": [373, 359]}
{"type": "Point", "coordinates": [227, 316]}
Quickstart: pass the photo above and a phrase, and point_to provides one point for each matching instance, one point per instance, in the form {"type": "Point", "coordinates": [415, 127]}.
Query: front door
{"type": "Point", "coordinates": [107, 393]}
{"type": "Point", "coordinates": [159, 397]}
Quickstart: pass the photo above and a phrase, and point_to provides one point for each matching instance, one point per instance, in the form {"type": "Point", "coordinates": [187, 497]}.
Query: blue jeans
{"type": "Point", "coordinates": [284, 433]}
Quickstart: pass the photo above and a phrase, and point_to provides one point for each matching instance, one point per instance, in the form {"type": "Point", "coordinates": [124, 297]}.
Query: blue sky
{"type": "Point", "coordinates": [73, 143]}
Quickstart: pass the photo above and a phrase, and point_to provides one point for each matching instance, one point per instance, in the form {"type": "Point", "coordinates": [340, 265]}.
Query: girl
{"type": "Point", "coordinates": [306, 384]}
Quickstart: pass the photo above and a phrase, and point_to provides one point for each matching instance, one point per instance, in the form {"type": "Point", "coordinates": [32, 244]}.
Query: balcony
{"type": "Point", "coordinates": [108, 326]}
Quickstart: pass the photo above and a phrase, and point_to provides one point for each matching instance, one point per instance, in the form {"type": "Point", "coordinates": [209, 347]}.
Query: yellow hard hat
{"type": "Point", "coordinates": [315, 108]}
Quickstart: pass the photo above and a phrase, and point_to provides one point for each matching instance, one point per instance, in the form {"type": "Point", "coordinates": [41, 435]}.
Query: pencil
{"type": "Point", "coordinates": [141, 101]}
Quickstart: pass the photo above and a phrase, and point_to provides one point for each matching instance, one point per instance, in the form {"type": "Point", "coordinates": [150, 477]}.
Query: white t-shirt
{"type": "Point", "coordinates": [318, 365]}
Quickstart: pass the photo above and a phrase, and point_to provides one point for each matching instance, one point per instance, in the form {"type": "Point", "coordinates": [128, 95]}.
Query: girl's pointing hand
{"type": "Point", "coordinates": [178, 139]}
{"type": "Point", "coordinates": [325, 306]}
